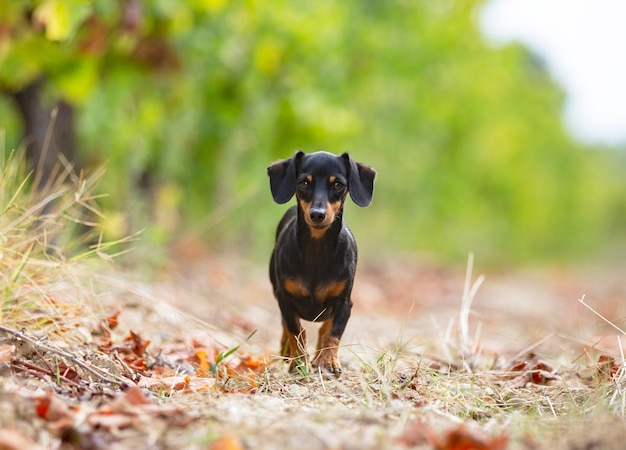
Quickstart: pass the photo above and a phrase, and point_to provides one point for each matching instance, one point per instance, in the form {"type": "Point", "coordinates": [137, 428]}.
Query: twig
{"type": "Point", "coordinates": [38, 345]}
{"type": "Point", "coordinates": [551, 406]}
{"type": "Point", "coordinates": [319, 371]}
{"type": "Point", "coordinates": [32, 368]}
{"type": "Point", "coordinates": [44, 360]}
{"type": "Point", "coordinates": [582, 300]}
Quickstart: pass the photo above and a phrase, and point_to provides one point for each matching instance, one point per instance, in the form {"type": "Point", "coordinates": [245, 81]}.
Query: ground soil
{"type": "Point", "coordinates": [406, 311]}
{"type": "Point", "coordinates": [407, 380]}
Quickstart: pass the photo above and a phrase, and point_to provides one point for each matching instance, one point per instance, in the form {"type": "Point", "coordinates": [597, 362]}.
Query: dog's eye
{"type": "Point", "coordinates": [338, 185]}
{"type": "Point", "coordinates": [304, 185]}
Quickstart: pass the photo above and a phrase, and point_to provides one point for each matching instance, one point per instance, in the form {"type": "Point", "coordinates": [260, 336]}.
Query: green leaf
{"type": "Point", "coordinates": [76, 81]}
{"type": "Point", "coordinates": [61, 18]}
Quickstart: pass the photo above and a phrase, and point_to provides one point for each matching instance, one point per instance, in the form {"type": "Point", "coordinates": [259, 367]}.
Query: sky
{"type": "Point", "coordinates": [583, 43]}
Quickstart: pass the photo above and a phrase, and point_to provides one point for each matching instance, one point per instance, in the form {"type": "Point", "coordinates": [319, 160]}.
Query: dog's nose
{"type": "Point", "coordinates": [317, 215]}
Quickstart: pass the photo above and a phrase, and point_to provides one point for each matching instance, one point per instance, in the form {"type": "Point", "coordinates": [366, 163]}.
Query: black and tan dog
{"type": "Point", "coordinates": [314, 260]}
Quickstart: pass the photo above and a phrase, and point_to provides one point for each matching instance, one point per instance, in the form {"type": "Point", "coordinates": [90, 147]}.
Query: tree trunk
{"type": "Point", "coordinates": [49, 132]}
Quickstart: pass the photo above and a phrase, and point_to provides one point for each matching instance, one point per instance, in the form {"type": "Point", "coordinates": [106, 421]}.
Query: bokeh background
{"type": "Point", "coordinates": [187, 102]}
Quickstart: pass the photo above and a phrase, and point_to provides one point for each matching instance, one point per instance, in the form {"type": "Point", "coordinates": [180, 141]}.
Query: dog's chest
{"type": "Point", "coordinates": [318, 291]}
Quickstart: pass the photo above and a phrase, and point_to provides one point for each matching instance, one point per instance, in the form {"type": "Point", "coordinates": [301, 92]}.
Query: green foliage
{"type": "Point", "coordinates": [188, 102]}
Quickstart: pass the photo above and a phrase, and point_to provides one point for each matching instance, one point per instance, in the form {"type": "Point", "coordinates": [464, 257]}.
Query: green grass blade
{"type": "Point", "coordinates": [20, 267]}
{"type": "Point", "coordinates": [17, 192]}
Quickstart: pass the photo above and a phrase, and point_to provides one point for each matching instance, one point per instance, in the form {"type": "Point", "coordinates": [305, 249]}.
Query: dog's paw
{"type": "Point", "coordinates": [328, 360]}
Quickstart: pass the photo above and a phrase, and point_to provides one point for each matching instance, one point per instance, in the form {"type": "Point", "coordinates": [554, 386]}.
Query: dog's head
{"type": "Point", "coordinates": [321, 182]}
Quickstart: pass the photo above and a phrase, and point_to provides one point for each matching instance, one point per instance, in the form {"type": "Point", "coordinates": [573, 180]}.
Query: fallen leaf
{"type": "Point", "coordinates": [112, 320]}
{"type": "Point", "coordinates": [135, 396]}
{"type": "Point", "coordinates": [245, 366]}
{"type": "Point", "coordinates": [462, 439]}
{"type": "Point", "coordinates": [202, 358]}
{"type": "Point", "coordinates": [52, 408]}
{"type": "Point", "coordinates": [533, 370]}
{"type": "Point", "coordinates": [66, 372]}
{"type": "Point", "coordinates": [135, 362]}
{"type": "Point", "coordinates": [607, 367]}
{"type": "Point", "coordinates": [519, 367]}
{"type": "Point", "coordinates": [539, 376]}
{"type": "Point", "coordinates": [177, 383]}
{"type": "Point", "coordinates": [227, 442]}
{"type": "Point", "coordinates": [139, 344]}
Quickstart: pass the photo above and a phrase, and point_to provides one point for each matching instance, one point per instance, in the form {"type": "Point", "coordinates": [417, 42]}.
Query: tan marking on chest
{"type": "Point", "coordinates": [296, 287]}
{"type": "Point", "coordinates": [330, 290]}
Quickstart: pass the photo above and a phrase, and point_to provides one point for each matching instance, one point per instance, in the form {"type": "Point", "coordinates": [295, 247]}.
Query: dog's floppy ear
{"type": "Point", "coordinates": [283, 178]}
{"type": "Point", "coordinates": [360, 181]}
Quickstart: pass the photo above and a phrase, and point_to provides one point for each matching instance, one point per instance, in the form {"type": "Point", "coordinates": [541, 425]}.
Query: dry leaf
{"type": "Point", "coordinates": [135, 396]}
{"type": "Point", "coordinates": [459, 438]}
{"type": "Point", "coordinates": [112, 320]}
{"type": "Point", "coordinates": [227, 442]}
{"type": "Point", "coordinates": [138, 343]}
{"type": "Point", "coordinates": [202, 358]}
{"type": "Point", "coordinates": [177, 383]}
{"type": "Point", "coordinates": [462, 439]}
{"type": "Point", "coordinates": [52, 408]}
{"type": "Point", "coordinates": [607, 367]}
{"type": "Point", "coordinates": [533, 370]}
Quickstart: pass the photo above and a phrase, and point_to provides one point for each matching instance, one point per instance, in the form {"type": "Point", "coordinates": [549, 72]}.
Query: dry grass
{"type": "Point", "coordinates": [45, 236]}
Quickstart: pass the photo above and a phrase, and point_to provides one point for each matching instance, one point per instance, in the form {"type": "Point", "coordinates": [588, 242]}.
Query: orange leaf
{"type": "Point", "coordinates": [607, 366]}
{"type": "Point", "coordinates": [252, 364]}
{"type": "Point", "coordinates": [462, 439]}
{"type": "Point", "coordinates": [52, 408]}
{"type": "Point", "coordinates": [518, 367]}
{"type": "Point", "coordinates": [66, 372]}
{"type": "Point", "coordinates": [112, 320]}
{"type": "Point", "coordinates": [202, 357]}
{"type": "Point", "coordinates": [42, 405]}
{"type": "Point", "coordinates": [135, 362]}
{"type": "Point", "coordinates": [227, 442]}
{"type": "Point", "coordinates": [139, 344]}
{"type": "Point", "coordinates": [135, 396]}
{"type": "Point", "coordinates": [541, 376]}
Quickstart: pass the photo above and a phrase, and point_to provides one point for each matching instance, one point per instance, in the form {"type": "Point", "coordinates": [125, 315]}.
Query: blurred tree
{"type": "Point", "coordinates": [49, 132]}
{"type": "Point", "coordinates": [187, 102]}
{"type": "Point", "coordinates": [53, 55]}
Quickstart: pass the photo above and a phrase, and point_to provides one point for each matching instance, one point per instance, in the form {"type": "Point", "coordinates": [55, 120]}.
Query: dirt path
{"type": "Point", "coordinates": [407, 314]}
{"type": "Point", "coordinates": [526, 373]}
{"type": "Point", "coordinates": [406, 301]}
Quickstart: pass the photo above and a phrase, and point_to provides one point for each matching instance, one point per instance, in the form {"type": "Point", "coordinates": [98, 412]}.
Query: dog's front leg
{"type": "Point", "coordinates": [327, 355]}
{"type": "Point", "coordinates": [293, 342]}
